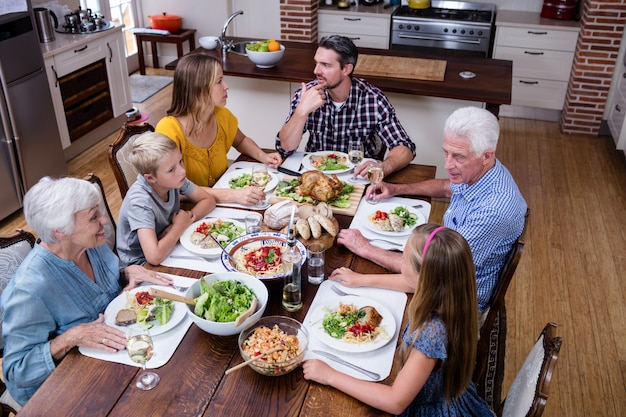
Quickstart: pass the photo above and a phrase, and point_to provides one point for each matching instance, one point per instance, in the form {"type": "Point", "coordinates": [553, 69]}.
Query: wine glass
{"type": "Point", "coordinates": [375, 175]}
{"type": "Point", "coordinates": [140, 348]}
{"type": "Point", "coordinates": [356, 154]}
{"type": "Point", "coordinates": [260, 178]}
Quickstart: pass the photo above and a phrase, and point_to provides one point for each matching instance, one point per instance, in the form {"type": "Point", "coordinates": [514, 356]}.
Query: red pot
{"type": "Point", "coordinates": [166, 22]}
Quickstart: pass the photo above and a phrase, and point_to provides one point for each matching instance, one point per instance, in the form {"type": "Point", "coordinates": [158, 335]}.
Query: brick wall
{"type": "Point", "coordinates": [298, 20]}
{"type": "Point", "coordinates": [602, 23]}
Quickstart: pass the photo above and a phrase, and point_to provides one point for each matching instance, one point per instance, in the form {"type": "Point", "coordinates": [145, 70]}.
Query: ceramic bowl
{"type": "Point", "coordinates": [228, 328]}
{"type": "Point", "coordinates": [274, 367]}
{"type": "Point", "coordinates": [209, 42]}
{"type": "Point", "coordinates": [266, 59]}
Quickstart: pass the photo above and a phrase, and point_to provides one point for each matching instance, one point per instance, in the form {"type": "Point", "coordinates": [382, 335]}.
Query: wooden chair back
{"type": "Point", "coordinates": [528, 393]}
{"type": "Point", "coordinates": [111, 227]}
{"type": "Point", "coordinates": [124, 172]}
{"type": "Point", "coordinates": [496, 317]}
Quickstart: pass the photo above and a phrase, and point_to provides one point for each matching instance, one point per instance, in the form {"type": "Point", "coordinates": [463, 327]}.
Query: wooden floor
{"type": "Point", "coordinates": [572, 271]}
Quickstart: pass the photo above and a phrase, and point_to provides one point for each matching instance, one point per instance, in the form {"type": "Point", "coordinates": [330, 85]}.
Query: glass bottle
{"type": "Point", "coordinates": [292, 265]}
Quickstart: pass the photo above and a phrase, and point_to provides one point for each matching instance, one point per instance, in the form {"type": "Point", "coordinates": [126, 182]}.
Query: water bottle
{"type": "Point", "coordinates": [292, 265]}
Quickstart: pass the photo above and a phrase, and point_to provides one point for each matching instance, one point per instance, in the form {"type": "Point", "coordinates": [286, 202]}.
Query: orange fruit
{"type": "Point", "coordinates": [273, 46]}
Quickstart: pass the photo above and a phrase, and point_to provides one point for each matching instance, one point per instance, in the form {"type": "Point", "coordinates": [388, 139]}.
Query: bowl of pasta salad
{"type": "Point", "coordinates": [221, 297]}
{"type": "Point", "coordinates": [285, 338]}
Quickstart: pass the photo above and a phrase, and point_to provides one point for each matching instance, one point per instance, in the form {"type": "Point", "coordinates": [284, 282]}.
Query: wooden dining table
{"type": "Point", "coordinates": [193, 382]}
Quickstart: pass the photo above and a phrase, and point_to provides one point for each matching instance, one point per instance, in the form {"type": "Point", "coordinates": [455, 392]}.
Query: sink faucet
{"type": "Point", "coordinates": [227, 45]}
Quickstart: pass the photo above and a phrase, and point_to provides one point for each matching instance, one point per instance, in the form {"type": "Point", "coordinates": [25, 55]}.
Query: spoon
{"type": "Point", "coordinates": [155, 292]}
{"type": "Point", "coordinates": [243, 316]}
{"type": "Point", "coordinates": [256, 358]}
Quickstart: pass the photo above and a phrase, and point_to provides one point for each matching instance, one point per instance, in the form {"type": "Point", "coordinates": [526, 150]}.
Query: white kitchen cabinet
{"type": "Point", "coordinates": [616, 104]}
{"type": "Point", "coordinates": [117, 71]}
{"type": "Point", "coordinates": [542, 52]}
{"type": "Point", "coordinates": [367, 30]}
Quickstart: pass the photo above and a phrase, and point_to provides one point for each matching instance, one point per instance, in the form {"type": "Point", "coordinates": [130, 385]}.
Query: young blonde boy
{"type": "Point", "coordinates": [151, 220]}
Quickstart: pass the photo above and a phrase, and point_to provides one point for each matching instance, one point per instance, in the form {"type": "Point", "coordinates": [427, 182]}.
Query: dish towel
{"type": "Point", "coordinates": [165, 344]}
{"type": "Point", "coordinates": [397, 243]}
{"type": "Point", "coordinates": [379, 360]}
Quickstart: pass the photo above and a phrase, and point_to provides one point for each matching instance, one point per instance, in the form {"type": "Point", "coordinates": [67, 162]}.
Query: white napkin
{"type": "Point", "coordinates": [196, 262]}
{"type": "Point", "coordinates": [294, 161]}
{"type": "Point", "coordinates": [360, 217]}
{"type": "Point", "coordinates": [165, 344]}
{"type": "Point", "coordinates": [379, 360]}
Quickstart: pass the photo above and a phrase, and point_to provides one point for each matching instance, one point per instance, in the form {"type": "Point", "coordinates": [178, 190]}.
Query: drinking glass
{"type": "Point", "coordinates": [316, 263]}
{"type": "Point", "coordinates": [375, 175]}
{"type": "Point", "coordinates": [356, 154]}
{"type": "Point", "coordinates": [253, 223]}
{"type": "Point", "coordinates": [260, 178]}
{"type": "Point", "coordinates": [140, 347]}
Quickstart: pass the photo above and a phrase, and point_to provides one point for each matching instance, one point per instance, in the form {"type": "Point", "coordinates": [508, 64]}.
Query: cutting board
{"type": "Point", "coordinates": [355, 198]}
{"type": "Point", "coordinates": [401, 67]}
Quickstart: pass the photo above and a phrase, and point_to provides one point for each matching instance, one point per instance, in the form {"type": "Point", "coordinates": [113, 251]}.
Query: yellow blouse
{"type": "Point", "coordinates": [204, 165]}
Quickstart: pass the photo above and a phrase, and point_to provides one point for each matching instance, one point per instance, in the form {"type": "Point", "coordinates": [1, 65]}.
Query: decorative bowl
{"type": "Point", "coordinates": [282, 361]}
{"type": "Point", "coordinates": [208, 42]}
{"type": "Point", "coordinates": [228, 328]}
{"type": "Point", "coordinates": [266, 59]}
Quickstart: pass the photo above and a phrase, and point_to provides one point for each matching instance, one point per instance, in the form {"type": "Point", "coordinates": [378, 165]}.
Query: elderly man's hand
{"type": "Point", "coordinates": [353, 240]}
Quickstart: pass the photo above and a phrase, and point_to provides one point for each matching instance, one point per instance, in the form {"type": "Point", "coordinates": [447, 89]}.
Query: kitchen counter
{"type": "Point", "coordinates": [492, 84]}
{"type": "Point", "coordinates": [66, 41]}
{"type": "Point", "coordinates": [514, 18]}
{"type": "Point", "coordinates": [375, 9]}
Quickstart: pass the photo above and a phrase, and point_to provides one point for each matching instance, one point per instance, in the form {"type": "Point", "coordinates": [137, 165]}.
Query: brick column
{"type": "Point", "coordinates": [298, 20]}
{"type": "Point", "coordinates": [601, 27]}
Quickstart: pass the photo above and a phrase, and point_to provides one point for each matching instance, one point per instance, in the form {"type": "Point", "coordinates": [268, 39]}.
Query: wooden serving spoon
{"type": "Point", "coordinates": [243, 316]}
{"type": "Point", "coordinates": [155, 292]}
{"type": "Point", "coordinates": [256, 358]}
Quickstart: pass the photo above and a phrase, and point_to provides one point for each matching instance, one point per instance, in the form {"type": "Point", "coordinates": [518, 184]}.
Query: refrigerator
{"type": "Point", "coordinates": [29, 136]}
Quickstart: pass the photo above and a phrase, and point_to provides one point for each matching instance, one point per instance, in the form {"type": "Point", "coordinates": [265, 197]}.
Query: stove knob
{"type": "Point", "coordinates": [445, 30]}
{"type": "Point", "coordinates": [480, 33]}
{"type": "Point", "coordinates": [471, 32]}
{"type": "Point", "coordinates": [416, 27]}
{"type": "Point", "coordinates": [400, 26]}
{"type": "Point", "coordinates": [408, 27]}
{"type": "Point", "coordinates": [453, 30]}
{"type": "Point", "coordinates": [463, 31]}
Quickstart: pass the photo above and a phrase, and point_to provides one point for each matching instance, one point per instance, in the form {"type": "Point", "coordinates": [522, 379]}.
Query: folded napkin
{"type": "Point", "coordinates": [379, 360]}
{"type": "Point", "coordinates": [180, 257]}
{"type": "Point", "coordinates": [360, 219]}
{"type": "Point", "coordinates": [165, 344]}
{"type": "Point", "coordinates": [294, 161]}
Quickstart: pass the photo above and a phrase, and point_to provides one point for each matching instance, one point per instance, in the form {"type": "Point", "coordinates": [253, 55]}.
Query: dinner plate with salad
{"type": "Point", "coordinates": [196, 240]}
{"type": "Point", "coordinates": [154, 313]}
{"type": "Point", "coordinates": [392, 219]}
{"type": "Point", "coordinates": [239, 178]}
{"type": "Point", "coordinates": [341, 323]}
{"type": "Point", "coordinates": [329, 162]}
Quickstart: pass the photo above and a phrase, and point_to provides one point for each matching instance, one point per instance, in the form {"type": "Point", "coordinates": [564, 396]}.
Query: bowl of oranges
{"type": "Point", "coordinates": [265, 54]}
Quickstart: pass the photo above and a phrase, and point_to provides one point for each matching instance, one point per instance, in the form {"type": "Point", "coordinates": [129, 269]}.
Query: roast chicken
{"type": "Point", "coordinates": [320, 186]}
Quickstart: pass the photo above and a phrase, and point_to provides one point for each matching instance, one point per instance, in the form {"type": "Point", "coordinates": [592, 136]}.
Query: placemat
{"type": "Point", "coordinates": [379, 360]}
{"type": "Point", "coordinates": [165, 344]}
{"type": "Point", "coordinates": [401, 67]}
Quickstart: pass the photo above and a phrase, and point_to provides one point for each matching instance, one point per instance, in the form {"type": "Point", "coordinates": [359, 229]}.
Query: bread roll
{"type": "Point", "coordinates": [303, 228]}
{"type": "Point", "coordinates": [324, 209]}
{"type": "Point", "coordinates": [327, 224]}
{"type": "Point", "coordinates": [278, 215]}
{"type": "Point", "coordinates": [316, 229]}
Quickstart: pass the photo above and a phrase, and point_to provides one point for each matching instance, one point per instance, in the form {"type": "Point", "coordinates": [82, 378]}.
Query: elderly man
{"type": "Point", "coordinates": [337, 108]}
{"type": "Point", "coordinates": [486, 207]}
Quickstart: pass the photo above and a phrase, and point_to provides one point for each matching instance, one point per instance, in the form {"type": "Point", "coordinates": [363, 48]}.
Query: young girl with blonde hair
{"type": "Point", "coordinates": [438, 347]}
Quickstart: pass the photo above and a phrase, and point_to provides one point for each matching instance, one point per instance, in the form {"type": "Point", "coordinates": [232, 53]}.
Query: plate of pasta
{"type": "Point", "coordinates": [139, 300]}
{"type": "Point", "coordinates": [259, 254]}
{"type": "Point", "coordinates": [353, 324]}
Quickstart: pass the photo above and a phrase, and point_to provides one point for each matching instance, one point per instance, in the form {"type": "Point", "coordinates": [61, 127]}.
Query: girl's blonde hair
{"type": "Point", "coordinates": [194, 76]}
{"type": "Point", "coordinates": [148, 151]}
{"type": "Point", "coordinates": [446, 288]}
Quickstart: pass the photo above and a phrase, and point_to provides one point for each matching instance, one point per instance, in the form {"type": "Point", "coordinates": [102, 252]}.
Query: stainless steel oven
{"type": "Point", "coordinates": [446, 27]}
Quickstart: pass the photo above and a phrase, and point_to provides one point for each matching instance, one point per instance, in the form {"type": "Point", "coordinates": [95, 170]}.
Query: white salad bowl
{"type": "Point", "coordinates": [229, 328]}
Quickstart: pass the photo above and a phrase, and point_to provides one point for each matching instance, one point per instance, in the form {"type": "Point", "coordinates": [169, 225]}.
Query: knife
{"type": "Point", "coordinates": [289, 172]}
{"type": "Point", "coordinates": [337, 359]}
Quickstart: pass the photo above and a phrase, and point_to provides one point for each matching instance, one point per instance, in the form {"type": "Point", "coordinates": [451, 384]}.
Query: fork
{"type": "Point", "coordinates": [180, 288]}
{"type": "Point", "coordinates": [340, 292]}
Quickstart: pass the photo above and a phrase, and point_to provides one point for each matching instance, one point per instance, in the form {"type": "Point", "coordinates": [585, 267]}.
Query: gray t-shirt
{"type": "Point", "coordinates": [143, 209]}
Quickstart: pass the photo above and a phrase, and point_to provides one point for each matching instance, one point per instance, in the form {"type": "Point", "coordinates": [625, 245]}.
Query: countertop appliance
{"type": "Point", "coordinates": [446, 27]}
{"type": "Point", "coordinates": [30, 144]}
{"type": "Point", "coordinates": [83, 21]}
{"type": "Point", "coordinates": [559, 9]}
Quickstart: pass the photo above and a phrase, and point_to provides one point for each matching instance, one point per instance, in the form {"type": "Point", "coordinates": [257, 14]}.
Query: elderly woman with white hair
{"type": "Point", "coordinates": [56, 299]}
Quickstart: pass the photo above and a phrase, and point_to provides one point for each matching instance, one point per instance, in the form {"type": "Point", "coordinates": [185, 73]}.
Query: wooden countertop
{"type": "Point", "coordinates": [492, 84]}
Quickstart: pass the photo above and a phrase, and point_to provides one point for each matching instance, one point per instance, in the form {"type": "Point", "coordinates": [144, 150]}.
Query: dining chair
{"type": "Point", "coordinates": [13, 250]}
{"type": "Point", "coordinates": [111, 228]}
{"type": "Point", "coordinates": [489, 368]}
{"type": "Point", "coordinates": [528, 393]}
{"type": "Point", "coordinates": [125, 173]}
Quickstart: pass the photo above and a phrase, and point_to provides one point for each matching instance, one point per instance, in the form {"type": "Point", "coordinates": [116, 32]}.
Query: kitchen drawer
{"type": "Point", "coordinates": [559, 40]}
{"type": "Point", "coordinates": [362, 41]}
{"type": "Point", "coordinates": [78, 57]}
{"type": "Point", "coordinates": [354, 24]}
{"type": "Point", "coordinates": [532, 92]}
{"type": "Point", "coordinates": [537, 63]}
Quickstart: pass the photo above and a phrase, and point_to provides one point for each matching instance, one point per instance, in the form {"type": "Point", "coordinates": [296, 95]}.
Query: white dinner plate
{"type": "Point", "coordinates": [223, 182]}
{"type": "Point", "coordinates": [119, 302]}
{"type": "Point", "coordinates": [185, 238]}
{"type": "Point", "coordinates": [306, 162]}
{"type": "Point", "coordinates": [387, 207]}
{"type": "Point", "coordinates": [331, 304]}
